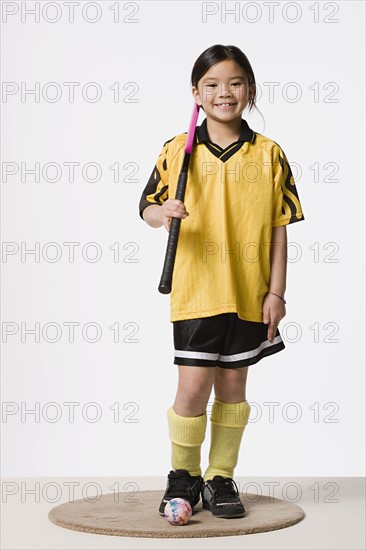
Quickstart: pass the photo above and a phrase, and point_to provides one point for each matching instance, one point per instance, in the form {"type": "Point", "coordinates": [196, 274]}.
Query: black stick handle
{"type": "Point", "coordinates": [165, 285]}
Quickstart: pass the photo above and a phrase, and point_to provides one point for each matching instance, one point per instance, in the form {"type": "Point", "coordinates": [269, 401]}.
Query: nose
{"type": "Point", "coordinates": [224, 90]}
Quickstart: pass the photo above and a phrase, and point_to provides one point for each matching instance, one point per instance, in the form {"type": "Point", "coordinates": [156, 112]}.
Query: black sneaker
{"type": "Point", "coordinates": [220, 495]}
{"type": "Point", "coordinates": [181, 484]}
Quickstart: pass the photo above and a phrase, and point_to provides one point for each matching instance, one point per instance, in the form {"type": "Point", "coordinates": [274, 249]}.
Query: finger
{"type": "Point", "coordinates": [269, 331]}
{"type": "Point", "coordinates": [183, 211]}
{"type": "Point", "coordinates": [178, 205]}
{"type": "Point", "coordinates": [178, 214]}
{"type": "Point", "coordinates": [274, 326]}
{"type": "Point", "coordinates": [181, 207]}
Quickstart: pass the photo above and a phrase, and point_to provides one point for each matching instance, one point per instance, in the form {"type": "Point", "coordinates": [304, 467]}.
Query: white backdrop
{"type": "Point", "coordinates": [87, 346]}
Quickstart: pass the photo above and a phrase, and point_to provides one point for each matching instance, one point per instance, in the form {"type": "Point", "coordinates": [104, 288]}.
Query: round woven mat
{"type": "Point", "coordinates": [124, 515]}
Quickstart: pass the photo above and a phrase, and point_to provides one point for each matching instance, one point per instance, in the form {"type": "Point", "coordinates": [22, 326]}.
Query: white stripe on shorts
{"type": "Point", "coordinates": [228, 358]}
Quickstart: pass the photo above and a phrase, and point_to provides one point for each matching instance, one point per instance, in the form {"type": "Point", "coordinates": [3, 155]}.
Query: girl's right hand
{"type": "Point", "coordinates": [172, 208]}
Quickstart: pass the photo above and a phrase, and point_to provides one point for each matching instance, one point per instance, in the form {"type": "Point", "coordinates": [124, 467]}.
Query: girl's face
{"type": "Point", "coordinates": [222, 92]}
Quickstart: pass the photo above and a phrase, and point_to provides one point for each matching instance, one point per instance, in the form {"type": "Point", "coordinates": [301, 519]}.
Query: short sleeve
{"type": "Point", "coordinates": [156, 190]}
{"type": "Point", "coordinates": [286, 203]}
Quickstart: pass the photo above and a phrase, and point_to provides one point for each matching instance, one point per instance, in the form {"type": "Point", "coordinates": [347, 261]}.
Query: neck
{"type": "Point", "coordinates": [217, 129]}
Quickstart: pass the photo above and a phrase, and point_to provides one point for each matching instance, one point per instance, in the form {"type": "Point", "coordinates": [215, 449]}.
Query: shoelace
{"type": "Point", "coordinates": [225, 489]}
{"type": "Point", "coordinates": [178, 485]}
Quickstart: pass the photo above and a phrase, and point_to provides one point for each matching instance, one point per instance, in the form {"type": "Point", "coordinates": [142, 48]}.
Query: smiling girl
{"type": "Point", "coordinates": [229, 276]}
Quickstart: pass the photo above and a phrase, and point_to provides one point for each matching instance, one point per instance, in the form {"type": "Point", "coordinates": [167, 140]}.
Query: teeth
{"type": "Point", "coordinates": [225, 104]}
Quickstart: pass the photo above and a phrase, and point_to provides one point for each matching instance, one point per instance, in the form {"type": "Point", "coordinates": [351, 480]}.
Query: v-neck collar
{"type": "Point", "coordinates": [246, 134]}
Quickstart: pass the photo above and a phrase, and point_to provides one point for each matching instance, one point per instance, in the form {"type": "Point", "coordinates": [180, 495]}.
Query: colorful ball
{"type": "Point", "coordinates": [178, 511]}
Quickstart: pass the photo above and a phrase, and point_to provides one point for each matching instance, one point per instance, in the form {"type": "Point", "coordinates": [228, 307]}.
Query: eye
{"type": "Point", "coordinates": [211, 85]}
{"type": "Point", "coordinates": [236, 83]}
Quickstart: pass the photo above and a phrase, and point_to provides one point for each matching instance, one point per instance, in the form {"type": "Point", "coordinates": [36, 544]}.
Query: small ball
{"type": "Point", "coordinates": [178, 511]}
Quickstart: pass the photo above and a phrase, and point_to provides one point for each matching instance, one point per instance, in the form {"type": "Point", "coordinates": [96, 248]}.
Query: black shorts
{"type": "Point", "coordinates": [222, 340]}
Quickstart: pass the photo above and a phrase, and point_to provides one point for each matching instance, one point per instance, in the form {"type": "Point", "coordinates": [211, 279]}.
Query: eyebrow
{"type": "Point", "coordinates": [232, 78]}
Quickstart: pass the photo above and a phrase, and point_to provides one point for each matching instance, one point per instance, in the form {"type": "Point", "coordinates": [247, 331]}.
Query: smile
{"type": "Point", "coordinates": [225, 105]}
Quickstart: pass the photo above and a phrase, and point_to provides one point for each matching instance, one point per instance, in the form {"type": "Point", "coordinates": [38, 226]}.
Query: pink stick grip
{"type": "Point", "coordinates": [192, 128]}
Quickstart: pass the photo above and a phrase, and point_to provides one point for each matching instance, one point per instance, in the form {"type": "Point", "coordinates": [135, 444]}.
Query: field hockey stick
{"type": "Point", "coordinates": [165, 285]}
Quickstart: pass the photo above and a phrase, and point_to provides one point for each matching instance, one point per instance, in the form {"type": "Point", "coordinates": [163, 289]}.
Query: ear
{"type": "Point", "coordinates": [196, 96]}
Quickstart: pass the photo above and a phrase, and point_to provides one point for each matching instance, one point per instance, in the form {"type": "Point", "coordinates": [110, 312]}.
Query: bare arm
{"type": "Point", "coordinates": [151, 215]}
{"type": "Point", "coordinates": [278, 260]}
{"type": "Point", "coordinates": [273, 307]}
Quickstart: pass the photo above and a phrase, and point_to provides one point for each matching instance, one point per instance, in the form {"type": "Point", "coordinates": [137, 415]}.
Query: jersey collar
{"type": "Point", "coordinates": [246, 133]}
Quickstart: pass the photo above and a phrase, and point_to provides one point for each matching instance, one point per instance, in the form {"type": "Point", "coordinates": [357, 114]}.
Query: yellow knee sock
{"type": "Point", "coordinates": [187, 435]}
{"type": "Point", "coordinates": [228, 421]}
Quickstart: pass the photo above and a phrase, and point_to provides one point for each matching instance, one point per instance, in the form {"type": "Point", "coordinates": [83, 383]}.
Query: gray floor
{"type": "Point", "coordinates": [334, 508]}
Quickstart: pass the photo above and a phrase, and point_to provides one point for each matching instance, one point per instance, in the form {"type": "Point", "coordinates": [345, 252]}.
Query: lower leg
{"type": "Point", "coordinates": [229, 416]}
{"type": "Point", "coordinates": [187, 417]}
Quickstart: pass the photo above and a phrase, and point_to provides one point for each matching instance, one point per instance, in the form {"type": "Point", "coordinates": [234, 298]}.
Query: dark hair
{"type": "Point", "coordinates": [215, 54]}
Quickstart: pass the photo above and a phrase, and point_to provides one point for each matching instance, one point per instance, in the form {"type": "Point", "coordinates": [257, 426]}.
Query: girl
{"type": "Point", "coordinates": [229, 276]}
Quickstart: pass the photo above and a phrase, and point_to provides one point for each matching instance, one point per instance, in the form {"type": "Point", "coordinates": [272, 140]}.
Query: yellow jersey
{"type": "Point", "coordinates": [234, 197]}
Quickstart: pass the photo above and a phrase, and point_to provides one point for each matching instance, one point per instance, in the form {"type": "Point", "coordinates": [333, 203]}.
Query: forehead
{"type": "Point", "coordinates": [223, 70]}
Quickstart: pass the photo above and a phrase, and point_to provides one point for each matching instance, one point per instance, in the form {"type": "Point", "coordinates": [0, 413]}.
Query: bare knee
{"type": "Point", "coordinates": [230, 384]}
{"type": "Point", "coordinates": [194, 389]}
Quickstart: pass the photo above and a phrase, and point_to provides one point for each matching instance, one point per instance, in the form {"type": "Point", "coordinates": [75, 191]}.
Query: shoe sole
{"type": "Point", "coordinates": [227, 515]}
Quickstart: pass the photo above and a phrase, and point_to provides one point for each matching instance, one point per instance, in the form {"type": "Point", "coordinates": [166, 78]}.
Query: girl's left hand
{"type": "Point", "coordinates": [273, 311]}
